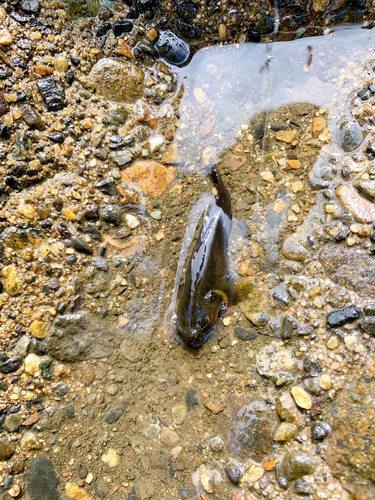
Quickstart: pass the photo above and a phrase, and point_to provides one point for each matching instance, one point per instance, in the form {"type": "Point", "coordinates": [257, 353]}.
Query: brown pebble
{"type": "Point", "coordinates": [152, 35]}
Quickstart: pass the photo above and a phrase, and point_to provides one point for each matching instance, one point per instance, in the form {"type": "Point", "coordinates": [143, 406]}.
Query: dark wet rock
{"type": "Point", "coordinates": [265, 25]}
{"type": "Point", "coordinates": [280, 294]}
{"type": "Point", "coordinates": [366, 186]}
{"type": "Point", "coordinates": [96, 281]}
{"type": "Point", "coordinates": [368, 325]}
{"type": "Point", "coordinates": [91, 212]}
{"type": "Point", "coordinates": [4, 106]}
{"type": "Point", "coordinates": [283, 483]}
{"type": "Point", "coordinates": [117, 116]}
{"type": "Point", "coordinates": [187, 30]}
{"type": "Point", "coordinates": [352, 268]}
{"type": "Point", "coordinates": [342, 316]}
{"type": "Point", "coordinates": [114, 415]}
{"type": "Point", "coordinates": [38, 347]}
{"type": "Point", "coordinates": [82, 471]}
{"type": "Point", "coordinates": [3, 387]}
{"type": "Point", "coordinates": [302, 487]}
{"type": "Point", "coordinates": [364, 94]}
{"type": "Point", "coordinates": [11, 365]}
{"type": "Point", "coordinates": [70, 411]}
{"type": "Point", "coordinates": [30, 6]}
{"type": "Point", "coordinates": [21, 147]}
{"type": "Point", "coordinates": [258, 130]}
{"type": "Point", "coordinates": [338, 297]}
{"type": "Point", "coordinates": [312, 367]}
{"type": "Point", "coordinates": [71, 259]}
{"type": "Point", "coordinates": [46, 368]}
{"type": "Point", "coordinates": [320, 430]}
{"type": "Point", "coordinates": [56, 137]}
{"type": "Point", "coordinates": [289, 328]}
{"type": "Point", "coordinates": [8, 482]}
{"type": "Point", "coordinates": [12, 422]}
{"type": "Point", "coordinates": [69, 76]}
{"type": "Point", "coordinates": [80, 245]}
{"type": "Point", "coordinates": [122, 27]}
{"type": "Point", "coordinates": [244, 334]}
{"type": "Point", "coordinates": [252, 433]}
{"type": "Point", "coordinates": [103, 29]}
{"type": "Point", "coordinates": [52, 93]}
{"type": "Point", "coordinates": [369, 310]}
{"type": "Point", "coordinates": [349, 448]}
{"type": "Point", "coordinates": [318, 183]}
{"type": "Point", "coordinates": [108, 186]}
{"type": "Point", "coordinates": [80, 336]}
{"type": "Point", "coordinates": [187, 10]}
{"type": "Point", "coordinates": [4, 131]}
{"type": "Point", "coordinates": [100, 264]}
{"type": "Point", "coordinates": [111, 214]}
{"type": "Point", "coordinates": [31, 117]}
{"type": "Point", "coordinates": [41, 480]}
{"type": "Point", "coordinates": [234, 472]}
{"type": "Point", "coordinates": [172, 48]}
{"type": "Point", "coordinates": [297, 464]}
{"type": "Point", "coordinates": [60, 389]}
{"type": "Point", "coordinates": [342, 235]}
{"type": "Point", "coordinates": [191, 399]}
{"type": "Point", "coordinates": [7, 448]}
{"type": "Point", "coordinates": [92, 231]}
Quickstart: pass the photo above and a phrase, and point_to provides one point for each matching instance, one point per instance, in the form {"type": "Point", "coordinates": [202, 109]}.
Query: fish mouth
{"type": "Point", "coordinates": [196, 341]}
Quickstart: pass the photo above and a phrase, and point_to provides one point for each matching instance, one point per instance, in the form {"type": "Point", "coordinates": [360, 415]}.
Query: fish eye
{"type": "Point", "coordinates": [224, 305]}
{"type": "Point", "coordinates": [174, 319]}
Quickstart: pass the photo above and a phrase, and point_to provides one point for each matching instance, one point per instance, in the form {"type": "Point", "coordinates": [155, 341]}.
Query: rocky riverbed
{"type": "Point", "coordinates": [109, 119]}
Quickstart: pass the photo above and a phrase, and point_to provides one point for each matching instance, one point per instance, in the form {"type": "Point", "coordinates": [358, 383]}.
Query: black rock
{"type": "Point", "coordinates": [342, 316]}
{"type": "Point", "coordinates": [122, 27]}
{"type": "Point", "coordinates": [147, 4]}
{"type": "Point", "coordinates": [92, 231]}
{"type": "Point", "coordinates": [4, 131]}
{"type": "Point", "coordinates": [111, 213]}
{"type": "Point", "coordinates": [91, 212]}
{"type": "Point", "coordinates": [108, 186]}
{"type": "Point", "coordinates": [38, 346]}
{"type": "Point", "coordinates": [302, 487]}
{"type": "Point", "coordinates": [342, 235]}
{"type": "Point", "coordinates": [71, 259]}
{"type": "Point", "coordinates": [100, 264]}
{"type": "Point", "coordinates": [70, 411]}
{"type": "Point", "coordinates": [369, 310]}
{"type": "Point", "coordinates": [290, 325]}
{"type": "Point", "coordinates": [283, 483]}
{"type": "Point", "coordinates": [172, 48]}
{"type": "Point", "coordinates": [244, 334]}
{"type": "Point", "coordinates": [312, 367]}
{"type": "Point", "coordinates": [265, 25]}
{"type": "Point", "coordinates": [187, 30]}
{"type": "Point", "coordinates": [3, 386]}
{"type": "Point", "coordinates": [258, 130]}
{"type": "Point", "coordinates": [30, 6]}
{"type": "Point", "coordinates": [320, 430]}
{"type": "Point", "coordinates": [52, 93]}
{"type": "Point", "coordinates": [133, 14]}
{"type": "Point", "coordinates": [8, 482]}
{"type": "Point", "coordinates": [60, 389]}
{"type": "Point", "coordinates": [31, 117]}
{"type": "Point", "coordinates": [318, 183]}
{"type": "Point", "coordinates": [187, 10]}
{"type": "Point", "coordinates": [75, 61]}
{"type": "Point", "coordinates": [103, 29]}
{"type": "Point", "coordinates": [364, 94]}
{"type": "Point", "coordinates": [42, 481]}
{"type": "Point", "coordinates": [11, 365]}
{"type": "Point", "coordinates": [191, 398]}
{"type": "Point", "coordinates": [114, 415]}
{"type": "Point", "coordinates": [69, 76]}
{"type": "Point", "coordinates": [368, 324]}
{"type": "Point", "coordinates": [234, 472]}
{"type": "Point", "coordinates": [80, 245]}
{"type": "Point", "coordinates": [56, 137]}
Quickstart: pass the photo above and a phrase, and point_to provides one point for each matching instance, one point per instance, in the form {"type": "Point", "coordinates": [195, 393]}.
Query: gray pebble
{"type": "Point", "coordinates": [100, 264]}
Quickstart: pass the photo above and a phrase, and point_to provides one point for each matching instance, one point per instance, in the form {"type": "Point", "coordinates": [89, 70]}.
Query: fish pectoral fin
{"type": "Point", "coordinates": [232, 291]}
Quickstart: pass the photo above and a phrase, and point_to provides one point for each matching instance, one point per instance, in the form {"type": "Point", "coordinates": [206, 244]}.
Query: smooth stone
{"type": "Point", "coordinates": [101, 264]}
{"type": "Point", "coordinates": [368, 325]}
{"type": "Point", "coordinates": [362, 209]}
{"type": "Point", "coordinates": [117, 80]}
{"type": "Point", "coordinates": [7, 448]}
{"type": "Point", "coordinates": [287, 136]}
{"type": "Point", "coordinates": [343, 316]}
{"type": "Point", "coordinates": [217, 444]}
{"type": "Point", "coordinates": [312, 367]}
{"type": "Point", "coordinates": [46, 367]}
{"type": "Point", "coordinates": [244, 334]}
{"type": "Point", "coordinates": [80, 245]}
{"type": "Point", "coordinates": [13, 281]}
{"type": "Point", "coordinates": [108, 186]}
{"type": "Point", "coordinates": [366, 187]}
{"type": "Point", "coordinates": [30, 6]}
{"type": "Point", "coordinates": [121, 157]}
{"type": "Point", "coordinates": [132, 221]}
{"type": "Point", "coordinates": [151, 177]}
{"type": "Point", "coordinates": [302, 487]}
{"type": "Point", "coordinates": [179, 414]}
{"type": "Point", "coordinates": [111, 214]}
{"type": "Point", "coordinates": [156, 214]}
{"type": "Point", "coordinates": [169, 437]}
{"type": "Point", "coordinates": [92, 231]}
{"type": "Point", "coordinates": [31, 365]}
{"type": "Point", "coordinates": [114, 415]}
{"type": "Point", "coordinates": [285, 432]}
{"type": "Point", "coordinates": [293, 250]}
{"type": "Point", "coordinates": [60, 389]}
{"type": "Point", "coordinates": [320, 430]}
{"type": "Point", "coordinates": [172, 48]}
{"type": "Point", "coordinates": [234, 472]}
{"type": "Point", "coordinates": [301, 397]}
{"type": "Point", "coordinates": [290, 325]}
{"type": "Point", "coordinates": [287, 409]}
{"type": "Point", "coordinates": [11, 365]}
{"type": "Point", "coordinates": [297, 464]}
{"type": "Point", "coordinates": [12, 422]}
{"type": "Point", "coordinates": [350, 135]}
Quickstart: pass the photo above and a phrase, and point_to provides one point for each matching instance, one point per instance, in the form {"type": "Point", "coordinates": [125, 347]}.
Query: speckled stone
{"type": "Point", "coordinates": [297, 464]}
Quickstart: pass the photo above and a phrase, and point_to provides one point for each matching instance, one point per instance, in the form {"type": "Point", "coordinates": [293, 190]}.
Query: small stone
{"type": "Point", "coordinates": [60, 389]}
{"type": "Point", "coordinates": [152, 34]}
{"type": "Point", "coordinates": [7, 448]}
{"type": "Point", "coordinates": [287, 409]}
{"type": "Point", "coordinates": [111, 458]}
{"type": "Point", "coordinates": [214, 405]}
{"type": "Point", "coordinates": [290, 325]}
{"type": "Point", "coordinates": [297, 186]}
{"type": "Point", "coordinates": [366, 186]}
{"type": "Point", "coordinates": [30, 6]}
{"type": "Point", "coordinates": [111, 214]}
{"type": "Point", "coordinates": [80, 245]}
{"type": "Point", "coordinates": [252, 474]}
{"type": "Point", "coordinates": [169, 437]}
{"type": "Point", "coordinates": [75, 492]}
{"type": "Point", "coordinates": [287, 136]}
{"type": "Point", "coordinates": [320, 430]}
{"type": "Point", "coordinates": [217, 444]}
{"type": "Point", "coordinates": [122, 27]}
{"type": "Point", "coordinates": [15, 491]}
{"type": "Point", "coordinates": [362, 209]}
{"type": "Point", "coordinates": [301, 397]}
{"type": "Point", "coordinates": [285, 432]}
{"type": "Point", "coordinates": [121, 157]}
{"type": "Point", "coordinates": [5, 37]}
{"type": "Point", "coordinates": [156, 214]}
{"type": "Point", "coordinates": [234, 472]}
{"type": "Point", "coordinates": [11, 365]}
{"type": "Point", "coordinates": [13, 281]}
{"type": "Point", "coordinates": [12, 422]}
{"type": "Point", "coordinates": [297, 464]}
{"type": "Point", "coordinates": [68, 214]}
{"type": "Point", "coordinates": [302, 487]}
{"type": "Point", "coordinates": [319, 124]}
{"type": "Point", "coordinates": [31, 365]}
{"type": "Point", "coordinates": [244, 334]}
{"type": "Point", "coordinates": [179, 414]}
{"type": "Point", "coordinates": [38, 329]}
{"type": "Point", "coordinates": [294, 164]}
{"type": "Point", "coordinates": [267, 176]}
{"type": "Point", "coordinates": [343, 316]}
{"type": "Point", "coordinates": [206, 482]}
{"type": "Point", "coordinates": [312, 367]}
{"type": "Point", "coordinates": [52, 93]}
{"type": "Point", "coordinates": [132, 221]}
{"type": "Point", "coordinates": [156, 143]}
{"type": "Point", "coordinates": [368, 325]}
{"type": "Point", "coordinates": [101, 264]}
{"type": "Point", "coordinates": [293, 250]}
{"type": "Point", "coordinates": [46, 368]}
{"type": "Point", "coordinates": [30, 442]}
{"type": "Point", "coordinates": [151, 177]}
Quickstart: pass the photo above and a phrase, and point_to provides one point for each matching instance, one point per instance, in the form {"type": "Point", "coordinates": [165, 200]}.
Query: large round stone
{"type": "Point", "coordinates": [117, 80]}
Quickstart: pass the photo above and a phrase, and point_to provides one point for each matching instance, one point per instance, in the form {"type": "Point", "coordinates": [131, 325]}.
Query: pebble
{"type": "Point", "coordinates": [216, 444]}
{"type": "Point", "coordinates": [60, 389]}
{"type": "Point", "coordinates": [301, 397]}
{"type": "Point", "coordinates": [101, 264]}
{"type": "Point", "coordinates": [7, 448]}
{"type": "Point", "coordinates": [15, 491]}
{"type": "Point", "coordinates": [294, 164]}
{"type": "Point", "coordinates": [122, 158]}
{"type": "Point", "coordinates": [168, 437]}
{"type": "Point", "coordinates": [151, 177]}
{"type": "Point", "coordinates": [179, 414]}
{"type": "Point", "coordinates": [350, 135]}
{"type": "Point", "coordinates": [30, 442]}
{"type": "Point", "coordinates": [285, 432]}
{"type": "Point", "coordinates": [362, 210]}
{"type": "Point", "coordinates": [38, 329]}
{"type": "Point", "coordinates": [267, 176]}
{"type": "Point", "coordinates": [5, 37]}
{"type": "Point", "coordinates": [297, 464]}
{"type": "Point", "coordinates": [172, 48]}
{"type": "Point", "coordinates": [13, 281]}
{"type": "Point", "coordinates": [368, 325]}
{"type": "Point", "coordinates": [111, 214]}
{"type": "Point", "coordinates": [222, 31]}
{"type": "Point", "coordinates": [365, 186]}
{"type": "Point", "coordinates": [320, 430]}
{"type": "Point", "coordinates": [31, 365]}
{"type": "Point", "coordinates": [244, 334]}
{"type": "Point", "coordinates": [12, 422]}
{"type": "Point", "coordinates": [76, 492]}
{"type": "Point", "coordinates": [52, 93]}
{"type": "Point", "coordinates": [156, 214]}
{"type": "Point", "coordinates": [343, 316]}
{"type": "Point", "coordinates": [206, 482]}
{"type": "Point", "coordinates": [11, 365]}
{"type": "Point", "coordinates": [132, 221]}
{"type": "Point", "coordinates": [30, 6]}
{"type": "Point", "coordinates": [111, 458]}
{"type": "Point", "coordinates": [319, 124]}
{"type": "Point", "coordinates": [80, 245]}
{"type": "Point", "coordinates": [122, 27]}
{"type": "Point", "coordinates": [156, 143]}
{"type": "Point", "coordinates": [234, 472]}
{"type": "Point", "coordinates": [287, 409]}
{"type": "Point", "coordinates": [297, 186]}
{"type": "Point", "coordinates": [287, 136]}
{"type": "Point", "coordinates": [293, 250]}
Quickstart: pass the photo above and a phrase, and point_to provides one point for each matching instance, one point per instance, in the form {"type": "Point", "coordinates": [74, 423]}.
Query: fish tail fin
{"type": "Point", "coordinates": [233, 290]}
{"type": "Point", "coordinates": [223, 196]}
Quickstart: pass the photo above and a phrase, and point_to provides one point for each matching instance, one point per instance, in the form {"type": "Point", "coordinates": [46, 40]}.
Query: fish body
{"type": "Point", "coordinates": [208, 288]}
